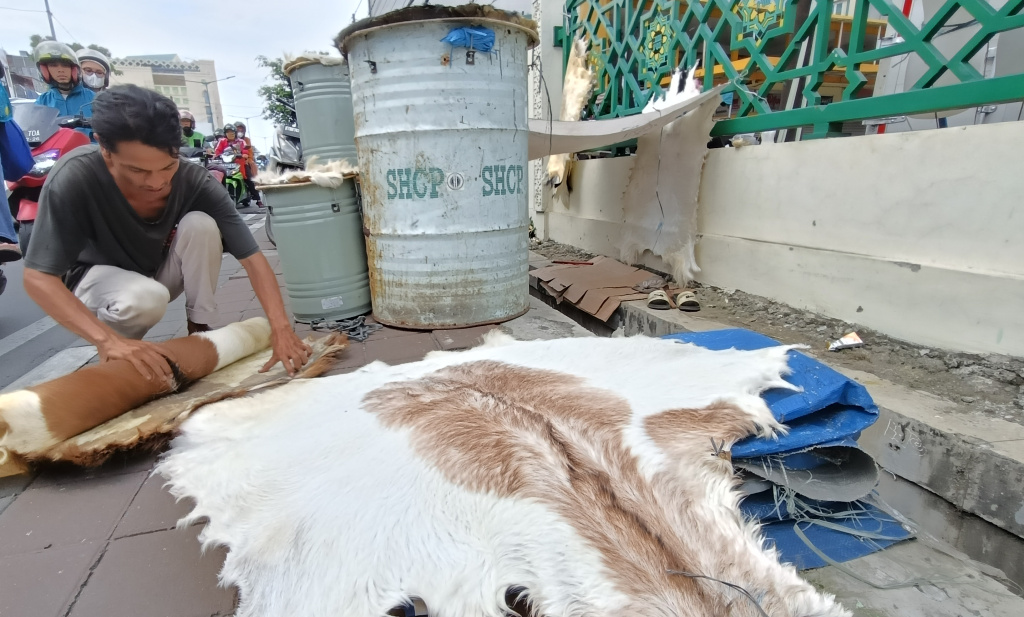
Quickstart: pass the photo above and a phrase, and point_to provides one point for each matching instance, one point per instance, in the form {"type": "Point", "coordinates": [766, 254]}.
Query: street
{"type": "Point", "coordinates": [28, 337]}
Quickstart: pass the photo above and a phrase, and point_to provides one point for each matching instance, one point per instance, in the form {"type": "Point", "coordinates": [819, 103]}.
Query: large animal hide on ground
{"type": "Point", "coordinates": [593, 473]}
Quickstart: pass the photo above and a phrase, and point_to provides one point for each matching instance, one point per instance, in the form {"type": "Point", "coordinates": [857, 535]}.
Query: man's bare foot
{"type": "Point", "coordinates": [198, 327]}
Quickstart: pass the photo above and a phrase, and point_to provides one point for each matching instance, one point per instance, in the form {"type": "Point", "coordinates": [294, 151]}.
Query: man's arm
{"type": "Point", "coordinates": [288, 348]}
{"type": "Point", "coordinates": [49, 292]}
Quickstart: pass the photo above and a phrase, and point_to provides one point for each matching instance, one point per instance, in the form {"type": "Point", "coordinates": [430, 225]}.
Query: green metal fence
{"type": "Point", "coordinates": [773, 51]}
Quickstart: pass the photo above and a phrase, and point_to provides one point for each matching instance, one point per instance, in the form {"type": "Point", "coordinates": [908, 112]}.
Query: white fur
{"type": "Point", "coordinates": [238, 340]}
{"type": "Point", "coordinates": [326, 512]}
{"type": "Point", "coordinates": [576, 90]}
{"type": "Point", "coordinates": [674, 95]}
{"type": "Point", "coordinates": [27, 430]}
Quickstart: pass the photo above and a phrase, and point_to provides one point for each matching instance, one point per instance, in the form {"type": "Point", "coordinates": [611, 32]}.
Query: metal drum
{"type": "Point", "coordinates": [319, 235]}
{"type": "Point", "coordinates": [441, 134]}
{"type": "Point", "coordinates": [323, 107]}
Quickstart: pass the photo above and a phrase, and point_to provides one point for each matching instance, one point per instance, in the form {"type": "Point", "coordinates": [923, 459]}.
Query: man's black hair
{"type": "Point", "coordinates": [131, 113]}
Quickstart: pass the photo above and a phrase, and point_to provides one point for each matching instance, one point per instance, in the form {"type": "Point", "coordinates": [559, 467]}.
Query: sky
{"type": "Point", "coordinates": [230, 33]}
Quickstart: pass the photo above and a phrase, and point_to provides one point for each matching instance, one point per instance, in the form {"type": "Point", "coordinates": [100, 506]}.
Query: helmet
{"type": "Point", "coordinates": [50, 51]}
{"type": "Point", "coordinates": [97, 57]}
{"type": "Point", "coordinates": [230, 127]}
{"type": "Point", "coordinates": [184, 115]}
{"type": "Point", "coordinates": [240, 126]}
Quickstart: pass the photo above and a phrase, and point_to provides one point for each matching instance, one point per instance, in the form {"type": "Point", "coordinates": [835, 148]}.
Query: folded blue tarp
{"type": "Point", "coordinates": [831, 409]}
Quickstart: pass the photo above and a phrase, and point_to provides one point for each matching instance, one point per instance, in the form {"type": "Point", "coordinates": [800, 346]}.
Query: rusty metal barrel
{"type": "Point", "coordinates": [441, 136]}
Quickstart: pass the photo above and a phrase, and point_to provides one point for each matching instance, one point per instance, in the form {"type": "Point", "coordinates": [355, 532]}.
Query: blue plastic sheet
{"type": "Point", "coordinates": [838, 546]}
{"type": "Point", "coordinates": [831, 409]}
{"type": "Point", "coordinates": [475, 37]}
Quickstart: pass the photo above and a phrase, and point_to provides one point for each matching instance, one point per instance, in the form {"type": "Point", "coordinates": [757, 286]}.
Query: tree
{"type": "Point", "coordinates": [277, 94]}
{"type": "Point", "coordinates": [36, 39]}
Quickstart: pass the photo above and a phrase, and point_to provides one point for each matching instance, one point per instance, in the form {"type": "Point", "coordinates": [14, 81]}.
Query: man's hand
{"type": "Point", "coordinates": [147, 358]}
{"type": "Point", "coordinates": [289, 350]}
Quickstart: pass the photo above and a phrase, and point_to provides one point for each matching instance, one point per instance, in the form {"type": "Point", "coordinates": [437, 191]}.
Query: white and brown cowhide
{"type": "Point", "coordinates": [581, 470]}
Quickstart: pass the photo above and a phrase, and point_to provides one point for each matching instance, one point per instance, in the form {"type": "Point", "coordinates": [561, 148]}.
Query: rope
{"type": "Point", "coordinates": [738, 588]}
{"type": "Point", "coordinates": [355, 328]}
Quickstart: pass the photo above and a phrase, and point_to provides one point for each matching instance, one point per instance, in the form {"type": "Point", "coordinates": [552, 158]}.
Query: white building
{"type": "Point", "coordinates": [181, 80]}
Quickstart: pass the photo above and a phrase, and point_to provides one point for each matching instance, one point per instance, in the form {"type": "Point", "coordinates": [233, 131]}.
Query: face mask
{"type": "Point", "coordinates": [93, 81]}
{"type": "Point", "coordinates": [187, 131]}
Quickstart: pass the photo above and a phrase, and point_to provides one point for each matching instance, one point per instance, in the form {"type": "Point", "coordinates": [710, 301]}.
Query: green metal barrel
{"type": "Point", "coordinates": [323, 107]}
{"type": "Point", "coordinates": [319, 235]}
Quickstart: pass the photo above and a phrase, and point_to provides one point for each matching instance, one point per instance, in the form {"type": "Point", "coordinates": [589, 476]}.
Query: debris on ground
{"type": "Point", "coordinates": [987, 383]}
{"type": "Point", "coordinates": [850, 341]}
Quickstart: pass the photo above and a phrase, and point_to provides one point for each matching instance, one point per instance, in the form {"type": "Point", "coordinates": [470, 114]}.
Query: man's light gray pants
{"type": "Point", "coordinates": [131, 303]}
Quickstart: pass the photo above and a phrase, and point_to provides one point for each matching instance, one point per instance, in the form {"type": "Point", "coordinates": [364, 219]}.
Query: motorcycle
{"type": "Point", "coordinates": [50, 138]}
{"type": "Point", "coordinates": [286, 151]}
{"type": "Point", "coordinates": [226, 169]}
{"type": "Point", "coordinates": [234, 177]}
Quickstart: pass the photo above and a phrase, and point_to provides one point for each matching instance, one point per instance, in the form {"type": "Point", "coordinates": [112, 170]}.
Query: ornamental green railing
{"type": "Point", "coordinates": [763, 49]}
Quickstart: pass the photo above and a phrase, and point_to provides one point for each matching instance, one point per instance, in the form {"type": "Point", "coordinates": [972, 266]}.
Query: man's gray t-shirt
{"type": "Point", "coordinates": [84, 219]}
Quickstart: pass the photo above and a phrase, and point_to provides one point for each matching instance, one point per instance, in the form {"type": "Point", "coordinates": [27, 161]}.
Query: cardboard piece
{"type": "Point", "coordinates": [597, 289]}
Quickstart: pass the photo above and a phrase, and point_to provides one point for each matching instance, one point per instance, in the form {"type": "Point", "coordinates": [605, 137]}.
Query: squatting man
{"type": "Point", "coordinates": [127, 226]}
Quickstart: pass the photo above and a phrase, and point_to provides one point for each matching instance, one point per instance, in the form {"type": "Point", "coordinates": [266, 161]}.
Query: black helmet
{"type": "Point", "coordinates": [55, 51]}
{"type": "Point", "coordinates": [229, 127]}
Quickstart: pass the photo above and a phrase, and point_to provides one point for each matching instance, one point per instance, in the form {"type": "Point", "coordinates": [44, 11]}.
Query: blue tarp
{"type": "Point", "coordinates": [869, 529]}
{"type": "Point", "coordinates": [478, 38]}
{"type": "Point", "coordinates": [831, 409]}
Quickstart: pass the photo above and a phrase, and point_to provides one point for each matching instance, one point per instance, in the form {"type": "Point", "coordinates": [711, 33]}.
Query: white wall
{"type": "Point", "coordinates": [918, 235]}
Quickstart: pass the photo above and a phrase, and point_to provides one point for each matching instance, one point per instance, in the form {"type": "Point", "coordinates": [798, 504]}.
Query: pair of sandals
{"type": "Point", "coordinates": [684, 301]}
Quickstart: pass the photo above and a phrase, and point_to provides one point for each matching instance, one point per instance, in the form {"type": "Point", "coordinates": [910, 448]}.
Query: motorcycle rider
{"type": "Point", "coordinates": [9, 250]}
{"type": "Point", "coordinates": [190, 137]}
{"type": "Point", "coordinates": [231, 140]}
{"type": "Point", "coordinates": [59, 67]}
{"type": "Point", "coordinates": [95, 69]}
{"type": "Point", "coordinates": [250, 157]}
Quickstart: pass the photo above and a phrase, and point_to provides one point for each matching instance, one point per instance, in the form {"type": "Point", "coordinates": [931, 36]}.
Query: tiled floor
{"type": "Point", "coordinates": [104, 543]}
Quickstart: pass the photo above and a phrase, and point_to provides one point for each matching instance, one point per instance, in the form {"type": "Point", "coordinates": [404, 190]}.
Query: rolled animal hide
{"type": "Point", "coordinates": [43, 415]}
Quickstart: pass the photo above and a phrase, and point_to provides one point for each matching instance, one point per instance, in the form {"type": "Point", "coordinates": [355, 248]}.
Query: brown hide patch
{"type": "Point", "coordinates": [94, 394]}
{"type": "Point", "coordinates": [546, 436]}
{"type": "Point", "coordinates": [152, 424]}
{"type": "Point", "coordinates": [683, 430]}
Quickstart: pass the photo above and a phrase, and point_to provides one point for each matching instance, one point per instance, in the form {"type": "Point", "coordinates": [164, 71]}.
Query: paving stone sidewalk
{"type": "Point", "coordinates": [103, 542]}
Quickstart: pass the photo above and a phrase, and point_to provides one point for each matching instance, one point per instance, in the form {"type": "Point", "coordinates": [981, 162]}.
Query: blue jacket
{"type": "Point", "coordinates": [79, 101]}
